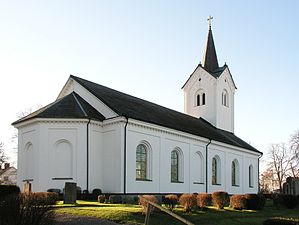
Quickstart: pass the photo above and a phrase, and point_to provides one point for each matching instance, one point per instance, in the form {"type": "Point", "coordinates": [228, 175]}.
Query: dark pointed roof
{"type": "Point", "coordinates": [142, 110]}
{"type": "Point", "coordinates": [210, 62]}
{"type": "Point", "coordinates": [71, 106]}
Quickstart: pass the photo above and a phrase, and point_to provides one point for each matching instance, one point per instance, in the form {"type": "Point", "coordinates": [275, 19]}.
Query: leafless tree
{"type": "Point", "coordinates": [294, 143]}
{"type": "Point", "coordinates": [3, 157]}
{"type": "Point", "coordinates": [267, 181]}
{"type": "Point", "coordinates": [279, 162]}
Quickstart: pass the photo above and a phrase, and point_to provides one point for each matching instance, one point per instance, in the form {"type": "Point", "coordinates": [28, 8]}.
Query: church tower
{"type": "Point", "coordinates": [209, 91]}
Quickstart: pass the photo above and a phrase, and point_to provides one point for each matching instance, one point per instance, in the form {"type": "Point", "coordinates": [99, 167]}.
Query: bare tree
{"type": "Point", "coordinates": [267, 181]}
{"type": "Point", "coordinates": [294, 166]}
{"type": "Point", "coordinates": [3, 157]}
{"type": "Point", "coordinates": [279, 162]}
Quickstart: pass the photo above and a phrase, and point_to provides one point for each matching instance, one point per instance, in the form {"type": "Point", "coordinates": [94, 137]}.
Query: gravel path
{"type": "Point", "coordinates": [67, 219]}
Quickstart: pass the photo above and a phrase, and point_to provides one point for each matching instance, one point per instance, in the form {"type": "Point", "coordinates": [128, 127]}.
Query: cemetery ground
{"type": "Point", "coordinates": [132, 214]}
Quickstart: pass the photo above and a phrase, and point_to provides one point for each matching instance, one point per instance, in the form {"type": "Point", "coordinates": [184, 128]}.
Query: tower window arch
{"type": "Point", "coordinates": [200, 98]}
{"type": "Point", "coordinates": [216, 175]}
{"type": "Point", "coordinates": [235, 173]}
{"type": "Point", "coordinates": [143, 157]}
{"type": "Point", "coordinates": [225, 98]}
{"type": "Point", "coordinates": [176, 165]}
{"type": "Point", "coordinates": [250, 176]}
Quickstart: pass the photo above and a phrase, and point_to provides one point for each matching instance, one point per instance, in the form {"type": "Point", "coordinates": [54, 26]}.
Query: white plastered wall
{"type": "Point", "coordinates": [162, 142]}
{"type": "Point", "coordinates": [207, 84]}
{"type": "Point", "coordinates": [225, 114]}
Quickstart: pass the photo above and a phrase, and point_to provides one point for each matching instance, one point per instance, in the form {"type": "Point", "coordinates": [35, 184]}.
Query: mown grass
{"type": "Point", "coordinates": [132, 214]}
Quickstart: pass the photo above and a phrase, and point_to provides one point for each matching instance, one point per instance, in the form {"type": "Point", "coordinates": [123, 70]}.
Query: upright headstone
{"type": "Point", "coordinates": [70, 193]}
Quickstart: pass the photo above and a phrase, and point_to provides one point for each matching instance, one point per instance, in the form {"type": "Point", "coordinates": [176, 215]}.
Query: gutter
{"type": "Point", "coordinates": [87, 154]}
{"type": "Point", "coordinates": [207, 164]}
{"type": "Point", "coordinates": [125, 154]}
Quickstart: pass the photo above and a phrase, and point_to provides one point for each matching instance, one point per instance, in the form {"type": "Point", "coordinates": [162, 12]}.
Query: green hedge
{"type": "Point", "coordinates": [8, 189]}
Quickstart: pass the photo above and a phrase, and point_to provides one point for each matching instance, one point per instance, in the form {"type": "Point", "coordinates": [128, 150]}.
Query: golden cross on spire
{"type": "Point", "coordinates": [210, 21]}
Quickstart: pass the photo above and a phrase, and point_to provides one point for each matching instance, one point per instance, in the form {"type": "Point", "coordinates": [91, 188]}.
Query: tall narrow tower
{"type": "Point", "coordinates": [209, 91]}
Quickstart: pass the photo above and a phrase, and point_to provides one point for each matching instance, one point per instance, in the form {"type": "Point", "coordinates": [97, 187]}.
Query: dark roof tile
{"type": "Point", "coordinates": [139, 109]}
{"type": "Point", "coordinates": [71, 106]}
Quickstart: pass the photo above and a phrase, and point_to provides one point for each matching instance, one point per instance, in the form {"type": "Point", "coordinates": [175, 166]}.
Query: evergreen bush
{"type": "Point", "coordinates": [115, 199]}
{"type": "Point", "coordinates": [290, 201]}
{"type": "Point", "coordinates": [254, 201]}
{"type": "Point", "coordinates": [8, 189]}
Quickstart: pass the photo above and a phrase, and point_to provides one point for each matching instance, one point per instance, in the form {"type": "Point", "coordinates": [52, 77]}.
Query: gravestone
{"type": "Point", "coordinates": [70, 193]}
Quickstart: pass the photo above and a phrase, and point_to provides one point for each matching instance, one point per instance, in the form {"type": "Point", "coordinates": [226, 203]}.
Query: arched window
{"type": "Point", "coordinates": [199, 171]}
{"type": "Point", "coordinates": [250, 176]}
{"type": "Point", "coordinates": [141, 162]}
{"type": "Point", "coordinates": [216, 176]}
{"type": "Point", "coordinates": [225, 98]}
{"type": "Point", "coordinates": [235, 173]}
{"type": "Point", "coordinates": [203, 98]}
{"type": "Point", "coordinates": [176, 165]}
{"type": "Point", "coordinates": [198, 100]}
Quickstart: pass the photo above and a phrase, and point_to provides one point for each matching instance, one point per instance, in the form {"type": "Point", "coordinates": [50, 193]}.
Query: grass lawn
{"type": "Point", "coordinates": [131, 214]}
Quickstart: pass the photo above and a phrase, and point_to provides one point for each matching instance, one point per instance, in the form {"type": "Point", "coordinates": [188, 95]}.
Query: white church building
{"type": "Point", "coordinates": [101, 138]}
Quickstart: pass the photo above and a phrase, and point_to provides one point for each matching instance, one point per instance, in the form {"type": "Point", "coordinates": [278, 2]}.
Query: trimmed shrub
{"type": "Point", "coordinates": [44, 198]}
{"type": "Point", "coordinates": [144, 203]}
{"type": "Point", "coordinates": [238, 202]}
{"type": "Point", "coordinates": [8, 189]}
{"type": "Point", "coordinates": [203, 200]}
{"type": "Point", "coordinates": [115, 199]}
{"type": "Point", "coordinates": [101, 198]}
{"type": "Point", "coordinates": [254, 201]}
{"type": "Point", "coordinates": [220, 199]}
{"type": "Point", "coordinates": [188, 201]}
{"type": "Point", "coordinates": [290, 201]}
{"type": "Point", "coordinates": [170, 201]}
{"type": "Point", "coordinates": [96, 192]}
{"type": "Point", "coordinates": [54, 190]}
{"type": "Point", "coordinates": [85, 192]}
{"type": "Point", "coordinates": [281, 221]}
{"type": "Point", "coordinates": [130, 199]}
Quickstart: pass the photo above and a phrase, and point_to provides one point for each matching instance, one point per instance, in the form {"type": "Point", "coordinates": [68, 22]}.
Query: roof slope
{"type": "Point", "coordinates": [136, 108]}
{"type": "Point", "coordinates": [71, 106]}
{"type": "Point", "coordinates": [210, 62]}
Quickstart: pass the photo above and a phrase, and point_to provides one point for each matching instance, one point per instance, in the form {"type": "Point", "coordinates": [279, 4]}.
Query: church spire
{"type": "Point", "coordinates": [210, 62]}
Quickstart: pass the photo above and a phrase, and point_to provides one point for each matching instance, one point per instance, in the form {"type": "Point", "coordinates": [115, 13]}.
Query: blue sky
{"type": "Point", "coordinates": [148, 49]}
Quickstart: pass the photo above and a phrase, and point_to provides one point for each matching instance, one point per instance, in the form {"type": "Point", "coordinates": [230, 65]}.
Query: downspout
{"type": "Point", "coordinates": [87, 154]}
{"type": "Point", "coordinates": [258, 171]}
{"type": "Point", "coordinates": [207, 164]}
{"type": "Point", "coordinates": [125, 154]}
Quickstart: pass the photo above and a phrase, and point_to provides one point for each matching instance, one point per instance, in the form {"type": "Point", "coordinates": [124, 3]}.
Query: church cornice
{"type": "Point", "coordinates": [221, 144]}
{"type": "Point", "coordinates": [56, 120]}
{"type": "Point", "coordinates": [165, 130]}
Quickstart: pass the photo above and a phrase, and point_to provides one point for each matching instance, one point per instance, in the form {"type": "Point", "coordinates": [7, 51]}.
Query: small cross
{"type": "Point", "coordinates": [210, 21]}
